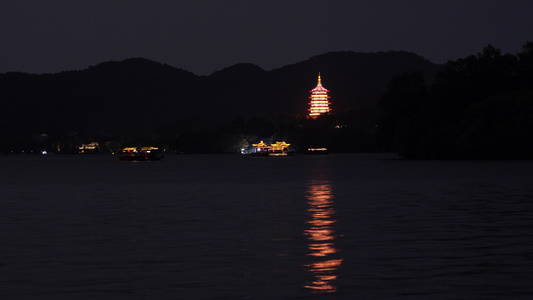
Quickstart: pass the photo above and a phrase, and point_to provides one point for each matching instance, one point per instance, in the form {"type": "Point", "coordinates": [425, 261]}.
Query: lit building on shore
{"type": "Point", "coordinates": [319, 104]}
{"type": "Point", "coordinates": [93, 147]}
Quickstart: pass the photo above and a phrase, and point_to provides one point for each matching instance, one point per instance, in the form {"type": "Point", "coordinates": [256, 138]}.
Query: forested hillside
{"type": "Point", "coordinates": [138, 98]}
{"type": "Point", "coordinates": [480, 106]}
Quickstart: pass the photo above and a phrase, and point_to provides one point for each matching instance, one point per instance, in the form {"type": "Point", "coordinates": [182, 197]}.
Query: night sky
{"type": "Point", "coordinates": [204, 36]}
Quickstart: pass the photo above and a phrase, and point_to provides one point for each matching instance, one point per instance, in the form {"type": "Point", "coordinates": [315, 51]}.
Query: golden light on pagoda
{"type": "Point", "coordinates": [319, 103]}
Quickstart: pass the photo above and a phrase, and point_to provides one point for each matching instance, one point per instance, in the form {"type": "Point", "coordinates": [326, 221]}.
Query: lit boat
{"type": "Point", "coordinates": [261, 149]}
{"type": "Point", "coordinates": [273, 150]}
{"type": "Point", "coordinates": [316, 151]}
{"type": "Point", "coordinates": [279, 149]}
{"type": "Point", "coordinates": [140, 154]}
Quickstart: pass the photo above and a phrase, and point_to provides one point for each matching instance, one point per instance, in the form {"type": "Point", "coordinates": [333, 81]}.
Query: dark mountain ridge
{"type": "Point", "coordinates": [142, 95]}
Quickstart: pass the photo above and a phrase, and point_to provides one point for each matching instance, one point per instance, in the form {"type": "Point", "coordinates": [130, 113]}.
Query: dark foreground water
{"type": "Point", "coordinates": [238, 227]}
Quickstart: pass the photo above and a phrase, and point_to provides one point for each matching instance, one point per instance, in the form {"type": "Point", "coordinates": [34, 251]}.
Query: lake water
{"type": "Point", "coordinates": [339, 226]}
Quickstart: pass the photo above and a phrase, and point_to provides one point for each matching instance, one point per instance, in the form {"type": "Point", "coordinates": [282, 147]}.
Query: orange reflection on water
{"type": "Point", "coordinates": [321, 236]}
{"type": "Point", "coordinates": [322, 249]}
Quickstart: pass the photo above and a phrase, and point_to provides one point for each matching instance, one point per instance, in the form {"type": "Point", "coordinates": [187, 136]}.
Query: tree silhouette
{"type": "Point", "coordinates": [480, 106]}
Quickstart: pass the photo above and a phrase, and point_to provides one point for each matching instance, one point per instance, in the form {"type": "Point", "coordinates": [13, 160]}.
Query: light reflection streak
{"type": "Point", "coordinates": [321, 236]}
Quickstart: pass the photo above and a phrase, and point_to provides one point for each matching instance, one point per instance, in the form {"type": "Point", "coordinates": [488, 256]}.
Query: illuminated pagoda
{"type": "Point", "coordinates": [319, 100]}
